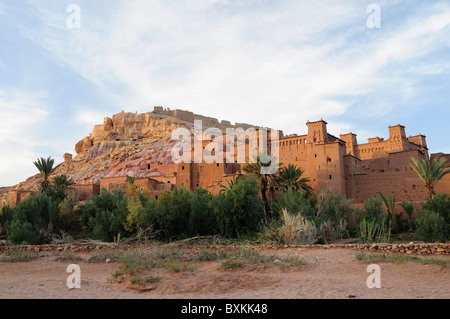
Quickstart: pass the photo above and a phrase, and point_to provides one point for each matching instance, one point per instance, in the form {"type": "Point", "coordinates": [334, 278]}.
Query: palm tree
{"type": "Point", "coordinates": [62, 182]}
{"type": "Point", "coordinates": [230, 184]}
{"type": "Point", "coordinates": [61, 185]}
{"type": "Point", "coordinates": [430, 172]}
{"type": "Point", "coordinates": [45, 167]}
{"type": "Point", "coordinates": [266, 181]}
{"type": "Point", "coordinates": [291, 177]}
{"type": "Point", "coordinates": [390, 206]}
{"type": "Point", "coordinates": [409, 208]}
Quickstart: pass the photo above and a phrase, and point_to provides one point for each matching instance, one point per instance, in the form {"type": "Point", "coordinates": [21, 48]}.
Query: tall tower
{"type": "Point", "coordinates": [397, 138]}
{"type": "Point", "coordinates": [317, 132]}
{"type": "Point", "coordinates": [350, 143]}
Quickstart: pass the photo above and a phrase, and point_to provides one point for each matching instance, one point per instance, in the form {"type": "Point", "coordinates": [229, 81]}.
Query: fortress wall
{"type": "Point", "coordinates": [372, 150]}
{"type": "Point", "coordinates": [444, 184]}
{"type": "Point", "coordinates": [364, 179]}
{"type": "Point", "coordinates": [86, 191]}
{"type": "Point", "coordinates": [329, 167]}
{"type": "Point", "coordinates": [405, 184]}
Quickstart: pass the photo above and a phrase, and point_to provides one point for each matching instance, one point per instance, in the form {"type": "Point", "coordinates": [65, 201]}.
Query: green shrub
{"type": "Point", "coordinates": [294, 202]}
{"type": "Point", "coordinates": [68, 221]}
{"type": "Point", "coordinates": [33, 219]}
{"type": "Point", "coordinates": [333, 207]}
{"type": "Point", "coordinates": [173, 213]}
{"type": "Point", "coordinates": [373, 210]}
{"type": "Point", "coordinates": [239, 210]}
{"type": "Point", "coordinates": [332, 215]}
{"type": "Point", "coordinates": [5, 219]}
{"type": "Point", "coordinates": [430, 226]}
{"type": "Point", "coordinates": [105, 215]}
{"type": "Point", "coordinates": [202, 220]}
{"type": "Point", "coordinates": [409, 208]}
{"type": "Point", "coordinates": [374, 230]}
{"type": "Point", "coordinates": [439, 204]}
{"type": "Point", "coordinates": [142, 215]}
{"type": "Point", "coordinates": [23, 233]}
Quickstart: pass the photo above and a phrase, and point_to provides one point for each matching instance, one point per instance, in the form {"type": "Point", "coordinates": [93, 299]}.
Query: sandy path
{"type": "Point", "coordinates": [333, 273]}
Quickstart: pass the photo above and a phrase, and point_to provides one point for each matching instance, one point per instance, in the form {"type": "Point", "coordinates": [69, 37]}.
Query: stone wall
{"type": "Point", "coordinates": [395, 248]}
{"type": "Point", "coordinates": [408, 249]}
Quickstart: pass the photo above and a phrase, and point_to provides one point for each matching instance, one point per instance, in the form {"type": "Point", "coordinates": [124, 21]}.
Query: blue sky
{"type": "Point", "coordinates": [272, 63]}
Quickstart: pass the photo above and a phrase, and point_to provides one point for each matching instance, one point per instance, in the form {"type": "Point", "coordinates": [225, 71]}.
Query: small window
{"type": "Point", "coordinates": [218, 164]}
{"type": "Point", "coordinates": [168, 182]}
{"type": "Point", "coordinates": [182, 168]}
{"type": "Point", "coordinates": [330, 177]}
{"type": "Point", "coordinates": [149, 166]}
{"type": "Point", "coordinates": [315, 155]}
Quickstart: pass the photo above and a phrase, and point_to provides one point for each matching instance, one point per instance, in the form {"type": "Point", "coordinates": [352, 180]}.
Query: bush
{"type": "Point", "coordinates": [439, 204]}
{"type": "Point", "coordinates": [68, 221]}
{"type": "Point", "coordinates": [371, 223]}
{"type": "Point", "coordinates": [5, 219]}
{"type": "Point", "coordinates": [431, 227]}
{"type": "Point", "coordinates": [202, 220]}
{"type": "Point", "coordinates": [374, 230]}
{"type": "Point", "coordinates": [373, 210]}
{"type": "Point", "coordinates": [142, 214]}
{"type": "Point", "coordinates": [296, 229]}
{"type": "Point", "coordinates": [33, 218]}
{"type": "Point", "coordinates": [239, 210]}
{"type": "Point", "coordinates": [105, 215]}
{"type": "Point", "coordinates": [332, 216]}
{"type": "Point", "coordinates": [333, 230]}
{"type": "Point", "coordinates": [294, 202]}
{"type": "Point", "coordinates": [23, 233]}
{"type": "Point", "coordinates": [409, 208]}
{"type": "Point", "coordinates": [290, 228]}
{"type": "Point", "coordinates": [173, 213]}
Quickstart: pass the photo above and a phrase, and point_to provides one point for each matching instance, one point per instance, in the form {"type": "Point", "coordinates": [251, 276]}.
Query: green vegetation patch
{"type": "Point", "coordinates": [397, 258]}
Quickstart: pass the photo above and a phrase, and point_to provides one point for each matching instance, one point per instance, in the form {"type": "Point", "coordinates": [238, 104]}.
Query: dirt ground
{"type": "Point", "coordinates": [329, 273]}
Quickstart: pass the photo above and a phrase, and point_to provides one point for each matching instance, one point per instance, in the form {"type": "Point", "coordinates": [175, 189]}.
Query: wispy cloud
{"type": "Point", "coordinates": [89, 118]}
{"type": "Point", "coordinates": [218, 57]}
{"type": "Point", "coordinates": [21, 114]}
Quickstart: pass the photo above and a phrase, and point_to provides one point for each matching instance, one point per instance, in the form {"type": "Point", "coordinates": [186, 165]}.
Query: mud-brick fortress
{"type": "Point", "coordinates": [360, 171]}
{"type": "Point", "coordinates": [140, 145]}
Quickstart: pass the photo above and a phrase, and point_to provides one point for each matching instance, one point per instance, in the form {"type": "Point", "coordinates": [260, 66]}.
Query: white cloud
{"type": "Point", "coordinates": [277, 64]}
{"type": "Point", "coordinates": [89, 118]}
{"type": "Point", "coordinates": [21, 114]}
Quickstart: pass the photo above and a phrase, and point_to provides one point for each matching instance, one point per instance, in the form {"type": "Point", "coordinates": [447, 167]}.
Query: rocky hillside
{"type": "Point", "coordinates": [125, 145]}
